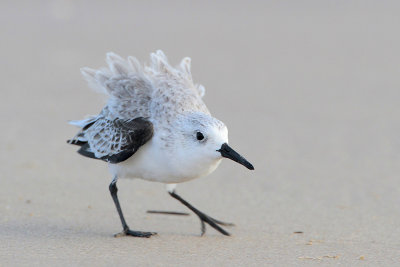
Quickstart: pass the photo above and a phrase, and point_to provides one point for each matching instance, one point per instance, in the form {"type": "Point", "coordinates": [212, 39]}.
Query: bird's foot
{"type": "Point", "coordinates": [127, 231]}
{"type": "Point", "coordinates": [214, 223]}
{"type": "Point", "coordinates": [221, 223]}
{"type": "Point", "coordinates": [203, 217]}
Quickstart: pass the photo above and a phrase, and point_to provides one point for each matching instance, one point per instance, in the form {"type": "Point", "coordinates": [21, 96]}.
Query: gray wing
{"type": "Point", "coordinates": [113, 141]}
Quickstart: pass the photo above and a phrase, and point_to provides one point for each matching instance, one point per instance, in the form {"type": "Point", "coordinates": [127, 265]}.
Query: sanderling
{"type": "Point", "coordinates": [155, 126]}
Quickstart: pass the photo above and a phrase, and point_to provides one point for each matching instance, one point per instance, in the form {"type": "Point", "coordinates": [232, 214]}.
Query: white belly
{"type": "Point", "coordinates": [162, 165]}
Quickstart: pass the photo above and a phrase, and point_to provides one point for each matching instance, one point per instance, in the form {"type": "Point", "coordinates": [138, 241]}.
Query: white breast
{"type": "Point", "coordinates": [153, 162]}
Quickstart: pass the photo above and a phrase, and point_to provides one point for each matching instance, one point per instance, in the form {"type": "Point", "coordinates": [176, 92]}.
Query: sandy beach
{"type": "Point", "coordinates": [310, 94]}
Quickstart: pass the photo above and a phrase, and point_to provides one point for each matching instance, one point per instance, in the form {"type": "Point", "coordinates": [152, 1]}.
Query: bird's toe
{"type": "Point", "coordinates": [135, 233]}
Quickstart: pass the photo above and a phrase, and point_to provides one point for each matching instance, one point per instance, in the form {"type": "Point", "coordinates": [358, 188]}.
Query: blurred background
{"type": "Point", "coordinates": [308, 89]}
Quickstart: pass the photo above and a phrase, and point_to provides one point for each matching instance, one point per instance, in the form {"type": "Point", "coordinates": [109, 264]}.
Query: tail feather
{"type": "Point", "coordinates": [76, 142]}
{"type": "Point", "coordinates": [79, 139]}
{"type": "Point", "coordinates": [83, 123]}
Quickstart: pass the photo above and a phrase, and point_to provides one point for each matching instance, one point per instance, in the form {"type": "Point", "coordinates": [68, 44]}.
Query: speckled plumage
{"type": "Point", "coordinates": [155, 91]}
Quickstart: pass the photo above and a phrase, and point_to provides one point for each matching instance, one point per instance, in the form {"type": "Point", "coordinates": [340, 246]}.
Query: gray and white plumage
{"type": "Point", "coordinates": [169, 101]}
{"type": "Point", "coordinates": [155, 126]}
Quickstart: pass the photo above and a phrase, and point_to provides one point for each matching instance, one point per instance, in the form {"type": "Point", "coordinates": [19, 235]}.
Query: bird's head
{"type": "Point", "coordinates": [206, 139]}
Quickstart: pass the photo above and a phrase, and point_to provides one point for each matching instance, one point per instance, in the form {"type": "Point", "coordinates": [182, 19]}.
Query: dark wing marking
{"type": "Point", "coordinates": [113, 140]}
{"type": "Point", "coordinates": [76, 142]}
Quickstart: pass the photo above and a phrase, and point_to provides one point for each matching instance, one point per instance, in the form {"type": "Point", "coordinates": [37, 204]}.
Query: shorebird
{"type": "Point", "coordinates": [155, 126]}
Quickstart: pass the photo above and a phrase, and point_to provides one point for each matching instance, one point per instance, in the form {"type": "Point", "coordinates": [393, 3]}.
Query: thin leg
{"type": "Point", "coordinates": [203, 217]}
{"type": "Point", "coordinates": [125, 227]}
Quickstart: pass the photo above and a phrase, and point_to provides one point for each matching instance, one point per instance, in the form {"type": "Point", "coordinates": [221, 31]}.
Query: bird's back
{"type": "Point", "coordinates": [155, 94]}
{"type": "Point", "coordinates": [149, 91]}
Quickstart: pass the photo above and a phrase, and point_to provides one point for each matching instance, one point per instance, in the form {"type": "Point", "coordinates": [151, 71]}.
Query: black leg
{"type": "Point", "coordinates": [126, 230]}
{"type": "Point", "coordinates": [203, 217]}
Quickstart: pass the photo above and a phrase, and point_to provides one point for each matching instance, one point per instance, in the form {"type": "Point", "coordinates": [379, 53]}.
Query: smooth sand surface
{"type": "Point", "coordinates": [309, 90]}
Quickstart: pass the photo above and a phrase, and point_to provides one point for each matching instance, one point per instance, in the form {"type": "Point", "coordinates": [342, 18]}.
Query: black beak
{"type": "Point", "coordinates": [228, 152]}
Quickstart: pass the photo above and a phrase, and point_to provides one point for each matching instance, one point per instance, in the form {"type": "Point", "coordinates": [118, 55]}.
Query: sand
{"type": "Point", "coordinates": [309, 91]}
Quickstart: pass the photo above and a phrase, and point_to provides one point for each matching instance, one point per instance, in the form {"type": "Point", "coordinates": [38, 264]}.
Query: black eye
{"type": "Point", "coordinates": [199, 136]}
